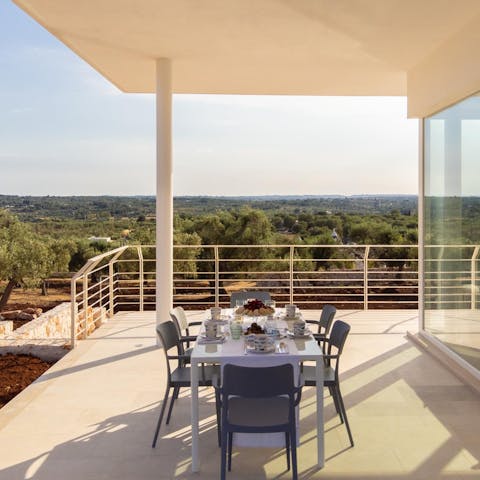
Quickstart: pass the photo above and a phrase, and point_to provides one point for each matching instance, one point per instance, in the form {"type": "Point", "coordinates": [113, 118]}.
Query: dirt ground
{"type": "Point", "coordinates": [17, 372]}
{"type": "Point", "coordinates": [21, 298]}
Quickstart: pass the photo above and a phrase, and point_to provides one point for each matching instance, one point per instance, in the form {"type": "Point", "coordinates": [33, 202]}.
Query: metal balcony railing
{"type": "Point", "coordinates": [348, 276]}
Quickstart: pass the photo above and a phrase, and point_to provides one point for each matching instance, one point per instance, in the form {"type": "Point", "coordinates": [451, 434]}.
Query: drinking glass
{"type": "Point", "coordinates": [236, 330]}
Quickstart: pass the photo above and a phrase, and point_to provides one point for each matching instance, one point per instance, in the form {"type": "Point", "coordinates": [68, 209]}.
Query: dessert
{"type": "Point", "coordinates": [255, 308]}
{"type": "Point", "coordinates": [254, 328]}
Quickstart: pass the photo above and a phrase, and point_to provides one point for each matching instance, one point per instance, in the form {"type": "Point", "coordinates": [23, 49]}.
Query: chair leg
{"type": "Point", "coordinates": [333, 393]}
{"type": "Point", "coordinates": [160, 418]}
{"type": "Point", "coordinates": [287, 448]}
{"type": "Point", "coordinates": [174, 396]}
{"type": "Point", "coordinates": [293, 447]}
{"type": "Point", "coordinates": [230, 442]}
{"type": "Point", "coordinates": [223, 458]}
{"type": "Point", "coordinates": [218, 412]}
{"type": "Point", "coordinates": [178, 391]}
{"type": "Point", "coordinates": [344, 413]}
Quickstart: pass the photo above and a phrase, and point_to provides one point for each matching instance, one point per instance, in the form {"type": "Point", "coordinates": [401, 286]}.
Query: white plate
{"type": "Point", "coordinates": [218, 322]}
{"type": "Point", "coordinates": [203, 337]}
{"type": "Point", "coordinates": [270, 349]}
{"type": "Point", "coordinates": [277, 337]}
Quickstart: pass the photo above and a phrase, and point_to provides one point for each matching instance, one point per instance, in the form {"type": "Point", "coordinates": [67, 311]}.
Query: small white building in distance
{"type": "Point", "coordinates": [100, 239]}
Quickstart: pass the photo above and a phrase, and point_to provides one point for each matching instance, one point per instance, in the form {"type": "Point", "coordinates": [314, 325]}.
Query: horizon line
{"type": "Point", "coordinates": [275, 195]}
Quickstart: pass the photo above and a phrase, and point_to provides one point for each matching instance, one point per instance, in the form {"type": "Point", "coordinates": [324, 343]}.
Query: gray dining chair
{"type": "Point", "coordinates": [179, 318]}
{"type": "Point", "coordinates": [258, 400]}
{"type": "Point", "coordinates": [244, 296]}
{"type": "Point", "coordinates": [331, 380]}
{"type": "Point", "coordinates": [178, 377]}
{"type": "Point", "coordinates": [323, 324]}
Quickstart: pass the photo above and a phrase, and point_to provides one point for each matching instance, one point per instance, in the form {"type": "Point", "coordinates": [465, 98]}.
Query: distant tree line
{"type": "Point", "coordinates": [104, 207]}
{"type": "Point", "coordinates": [40, 240]}
{"type": "Point", "coordinates": [41, 235]}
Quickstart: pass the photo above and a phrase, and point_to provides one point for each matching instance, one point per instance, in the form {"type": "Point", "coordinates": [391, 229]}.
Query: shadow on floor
{"type": "Point", "coordinates": [119, 447]}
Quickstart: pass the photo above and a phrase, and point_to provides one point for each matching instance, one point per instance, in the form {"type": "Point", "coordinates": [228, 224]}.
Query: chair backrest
{"type": "Point", "coordinates": [338, 336]}
{"type": "Point", "coordinates": [326, 318]}
{"type": "Point", "coordinates": [168, 336]}
{"type": "Point", "coordinates": [337, 339]}
{"type": "Point", "coordinates": [179, 317]}
{"type": "Point", "coordinates": [258, 382]}
{"type": "Point", "coordinates": [258, 295]}
{"type": "Point", "coordinates": [263, 383]}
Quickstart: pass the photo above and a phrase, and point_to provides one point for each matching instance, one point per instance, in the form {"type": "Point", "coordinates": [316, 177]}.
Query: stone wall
{"type": "Point", "coordinates": [95, 317]}
{"type": "Point", "coordinates": [52, 324]}
{"type": "Point", "coordinates": [48, 336]}
{"type": "Point", "coordinates": [6, 327]}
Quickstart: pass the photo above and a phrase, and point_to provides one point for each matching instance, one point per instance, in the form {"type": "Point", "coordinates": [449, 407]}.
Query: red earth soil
{"type": "Point", "coordinates": [17, 372]}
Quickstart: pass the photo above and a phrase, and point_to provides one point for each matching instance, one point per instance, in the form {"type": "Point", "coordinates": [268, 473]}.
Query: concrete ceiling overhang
{"type": "Point", "coordinates": [291, 47]}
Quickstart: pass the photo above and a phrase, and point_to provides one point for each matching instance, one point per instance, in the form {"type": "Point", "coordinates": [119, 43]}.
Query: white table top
{"type": "Point", "coordinates": [231, 351]}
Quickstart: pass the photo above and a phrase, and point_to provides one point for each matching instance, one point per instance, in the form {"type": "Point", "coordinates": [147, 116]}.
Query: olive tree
{"type": "Point", "coordinates": [25, 258]}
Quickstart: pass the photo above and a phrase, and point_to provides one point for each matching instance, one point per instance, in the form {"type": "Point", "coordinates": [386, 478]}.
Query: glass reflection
{"type": "Point", "coordinates": [452, 227]}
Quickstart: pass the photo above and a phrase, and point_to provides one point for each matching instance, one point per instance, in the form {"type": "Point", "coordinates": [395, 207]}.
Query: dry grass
{"type": "Point", "coordinates": [23, 298]}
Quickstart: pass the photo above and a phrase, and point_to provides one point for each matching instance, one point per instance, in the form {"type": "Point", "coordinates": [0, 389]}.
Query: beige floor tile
{"type": "Point", "coordinates": [92, 416]}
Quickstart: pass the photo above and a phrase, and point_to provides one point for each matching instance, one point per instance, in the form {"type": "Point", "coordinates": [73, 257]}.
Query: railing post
{"type": "Point", "coordinates": [292, 251]}
{"type": "Point", "coordinates": [85, 304]}
{"type": "Point", "coordinates": [365, 277]}
{"type": "Point", "coordinates": [217, 276]}
{"type": "Point", "coordinates": [111, 298]}
{"type": "Point", "coordinates": [74, 313]}
{"type": "Point", "coordinates": [473, 278]}
{"type": "Point", "coordinates": [141, 276]}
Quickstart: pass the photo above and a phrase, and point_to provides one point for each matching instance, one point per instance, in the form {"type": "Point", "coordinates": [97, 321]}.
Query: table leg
{"type": "Point", "coordinates": [195, 429]}
{"type": "Point", "coordinates": [320, 425]}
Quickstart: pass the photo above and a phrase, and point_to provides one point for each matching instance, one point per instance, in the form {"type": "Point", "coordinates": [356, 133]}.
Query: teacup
{"type": "Point", "coordinates": [211, 329]}
{"type": "Point", "coordinates": [216, 312]}
{"type": "Point", "coordinates": [262, 342]}
{"type": "Point", "coordinates": [299, 328]}
{"type": "Point", "coordinates": [271, 328]}
{"type": "Point", "coordinates": [273, 332]}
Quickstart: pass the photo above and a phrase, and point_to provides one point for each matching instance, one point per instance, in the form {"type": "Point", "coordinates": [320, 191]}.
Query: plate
{"type": "Point", "coordinates": [270, 349]}
{"type": "Point", "coordinates": [216, 338]}
{"type": "Point", "coordinates": [218, 322]}
{"type": "Point", "coordinates": [277, 337]}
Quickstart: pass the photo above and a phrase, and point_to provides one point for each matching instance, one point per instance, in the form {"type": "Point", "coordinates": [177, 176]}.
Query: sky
{"type": "Point", "coordinates": [65, 130]}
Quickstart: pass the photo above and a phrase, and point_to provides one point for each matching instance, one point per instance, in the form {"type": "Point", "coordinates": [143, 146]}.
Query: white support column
{"type": "Point", "coordinates": [164, 231]}
{"type": "Point", "coordinates": [423, 142]}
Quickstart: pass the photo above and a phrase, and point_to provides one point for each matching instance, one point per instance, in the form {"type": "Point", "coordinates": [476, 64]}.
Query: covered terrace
{"type": "Point", "coordinates": [92, 414]}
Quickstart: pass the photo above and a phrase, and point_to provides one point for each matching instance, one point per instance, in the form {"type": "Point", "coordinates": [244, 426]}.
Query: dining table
{"type": "Point", "coordinates": [289, 348]}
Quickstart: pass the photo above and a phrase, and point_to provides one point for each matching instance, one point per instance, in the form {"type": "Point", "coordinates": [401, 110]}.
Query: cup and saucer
{"type": "Point", "coordinates": [299, 330]}
{"type": "Point", "coordinates": [212, 333]}
{"type": "Point", "coordinates": [260, 343]}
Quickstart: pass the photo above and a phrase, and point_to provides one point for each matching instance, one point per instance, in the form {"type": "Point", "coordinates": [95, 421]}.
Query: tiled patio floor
{"type": "Point", "coordinates": [92, 415]}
